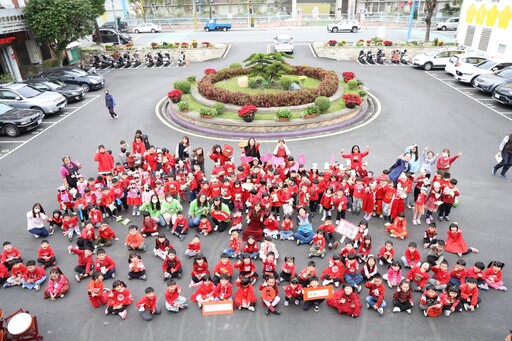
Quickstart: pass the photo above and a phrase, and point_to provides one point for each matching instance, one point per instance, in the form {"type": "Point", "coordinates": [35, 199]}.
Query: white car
{"type": "Point", "coordinates": [344, 25]}
{"type": "Point", "coordinates": [456, 61]}
{"type": "Point", "coordinates": [450, 24]}
{"type": "Point", "coordinates": [467, 73]}
{"type": "Point", "coordinates": [434, 59]}
{"type": "Point", "coordinates": [283, 43]}
{"type": "Point", "coordinates": [147, 28]}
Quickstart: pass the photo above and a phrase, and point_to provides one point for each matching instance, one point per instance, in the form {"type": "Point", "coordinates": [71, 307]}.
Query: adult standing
{"type": "Point", "coordinates": [35, 221]}
{"type": "Point", "coordinates": [355, 156]}
{"type": "Point", "coordinates": [110, 104]}
{"type": "Point", "coordinates": [104, 159]}
{"type": "Point", "coordinates": [144, 138]}
{"type": "Point", "coordinates": [138, 146]}
{"type": "Point", "coordinates": [281, 149]}
{"type": "Point", "coordinates": [415, 159]}
{"type": "Point", "coordinates": [505, 152]}
{"type": "Point", "coordinates": [183, 149]}
{"type": "Point", "coordinates": [69, 172]}
{"type": "Point", "coordinates": [400, 166]}
{"type": "Point", "coordinates": [252, 149]}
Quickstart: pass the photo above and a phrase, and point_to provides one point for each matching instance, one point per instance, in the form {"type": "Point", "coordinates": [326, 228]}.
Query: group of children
{"type": "Point", "coordinates": [267, 195]}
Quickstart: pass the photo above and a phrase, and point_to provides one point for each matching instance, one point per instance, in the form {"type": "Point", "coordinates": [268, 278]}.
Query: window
{"type": "Point", "coordinates": [7, 95]}
{"type": "Point", "coordinates": [502, 48]}
{"type": "Point", "coordinates": [470, 34]}
{"type": "Point", "coordinates": [484, 39]}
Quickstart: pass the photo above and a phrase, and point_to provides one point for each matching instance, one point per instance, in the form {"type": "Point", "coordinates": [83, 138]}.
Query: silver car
{"type": "Point", "coordinates": [22, 96]}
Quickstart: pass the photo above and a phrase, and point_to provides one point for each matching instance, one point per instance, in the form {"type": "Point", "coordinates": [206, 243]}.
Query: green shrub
{"type": "Point", "coordinates": [183, 105]}
{"type": "Point", "coordinates": [311, 110]}
{"type": "Point", "coordinates": [285, 82]}
{"type": "Point", "coordinates": [323, 103]}
{"type": "Point", "coordinates": [220, 108]}
{"type": "Point", "coordinates": [235, 65]}
{"type": "Point", "coordinates": [6, 78]}
{"type": "Point", "coordinates": [183, 85]}
{"type": "Point", "coordinates": [283, 113]}
{"type": "Point", "coordinates": [352, 84]}
{"type": "Point", "coordinates": [362, 93]}
{"type": "Point", "coordinates": [208, 111]}
{"type": "Point", "coordinates": [253, 83]}
{"type": "Point", "coordinates": [191, 79]}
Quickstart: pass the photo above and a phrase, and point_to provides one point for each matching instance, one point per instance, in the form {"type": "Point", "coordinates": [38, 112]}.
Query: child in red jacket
{"type": "Point", "coordinates": [494, 275]}
{"type": "Point", "coordinates": [270, 303]}
{"type": "Point", "coordinates": [96, 291]}
{"type": "Point", "coordinates": [469, 294]}
{"type": "Point", "coordinates": [118, 300]}
{"type": "Point", "coordinates": [419, 276]}
{"type": "Point", "coordinates": [224, 289]}
{"type": "Point", "coordinates": [458, 273]}
{"type": "Point", "coordinates": [244, 297]}
{"type": "Point", "coordinates": [334, 272]}
{"type": "Point", "coordinates": [45, 254]}
{"type": "Point", "coordinates": [271, 226]}
{"type": "Point", "coordinates": [105, 236]}
{"type": "Point", "coordinates": [313, 283]}
{"type": "Point", "coordinates": [346, 301]}
{"type": "Point", "coordinates": [194, 247]}
{"type": "Point", "coordinates": [317, 248]}
{"type": "Point", "coordinates": [223, 267]}
{"type": "Point", "coordinates": [85, 262]}
{"type": "Point", "coordinates": [199, 270]}
{"type": "Point", "coordinates": [147, 305]}
{"type": "Point", "coordinates": [204, 227]}
{"type": "Point", "coordinates": [429, 298]}
{"type": "Point", "coordinates": [246, 268]}
{"type": "Point", "coordinates": [180, 228]}
{"type": "Point", "coordinates": [386, 253]}
{"type": "Point", "coordinates": [205, 292]}
{"type": "Point", "coordinates": [376, 289]}
{"type": "Point", "coordinates": [70, 225]}
{"type": "Point", "coordinates": [294, 292]}
{"type": "Point", "coordinates": [105, 265]}
{"type": "Point", "coordinates": [149, 226]}
{"type": "Point", "coordinates": [450, 300]}
{"type": "Point", "coordinates": [234, 249]}
{"type": "Point", "coordinates": [328, 229]}
{"type": "Point", "coordinates": [33, 277]}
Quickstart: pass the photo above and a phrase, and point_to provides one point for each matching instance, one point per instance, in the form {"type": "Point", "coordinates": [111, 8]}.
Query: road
{"type": "Point", "coordinates": [417, 107]}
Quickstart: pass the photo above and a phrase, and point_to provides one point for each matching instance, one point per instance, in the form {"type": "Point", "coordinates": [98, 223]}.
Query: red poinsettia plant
{"type": "Point", "coordinates": [351, 100]}
{"type": "Point", "coordinates": [347, 75]}
{"type": "Point", "coordinates": [210, 71]}
{"type": "Point", "coordinates": [332, 42]}
{"type": "Point", "coordinates": [388, 43]}
{"type": "Point", "coordinates": [247, 110]}
{"type": "Point", "coordinates": [175, 95]}
{"type": "Point", "coordinates": [205, 44]}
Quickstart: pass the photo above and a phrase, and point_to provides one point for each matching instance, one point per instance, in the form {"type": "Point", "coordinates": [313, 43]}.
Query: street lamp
{"type": "Point", "coordinates": [115, 23]}
{"type": "Point", "coordinates": [412, 4]}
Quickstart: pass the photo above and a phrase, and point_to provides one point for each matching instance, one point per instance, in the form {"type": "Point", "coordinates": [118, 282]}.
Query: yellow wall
{"type": "Point", "coordinates": [489, 15]}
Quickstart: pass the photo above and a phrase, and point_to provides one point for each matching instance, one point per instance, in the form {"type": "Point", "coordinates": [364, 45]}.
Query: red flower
{"type": "Point", "coordinates": [210, 71]}
{"type": "Point", "coordinates": [247, 110]}
{"type": "Point", "coordinates": [207, 44]}
{"type": "Point", "coordinates": [388, 43]}
{"type": "Point", "coordinates": [332, 42]}
{"type": "Point", "coordinates": [175, 95]}
{"type": "Point", "coordinates": [352, 99]}
{"type": "Point", "coordinates": [348, 76]}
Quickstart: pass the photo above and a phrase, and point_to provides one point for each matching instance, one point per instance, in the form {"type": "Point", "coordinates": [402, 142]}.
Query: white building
{"type": "Point", "coordinates": [486, 25]}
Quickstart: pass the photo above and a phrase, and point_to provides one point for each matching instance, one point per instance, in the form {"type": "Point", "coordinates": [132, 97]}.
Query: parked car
{"type": "Point", "coordinates": [214, 25]}
{"type": "Point", "coordinates": [22, 96]}
{"type": "Point", "coordinates": [283, 43]}
{"type": "Point", "coordinates": [15, 121]}
{"type": "Point", "coordinates": [449, 24]}
{"type": "Point", "coordinates": [73, 93]}
{"type": "Point", "coordinates": [147, 28]}
{"type": "Point", "coordinates": [72, 75]}
{"type": "Point", "coordinates": [110, 35]}
{"type": "Point", "coordinates": [468, 73]}
{"type": "Point", "coordinates": [123, 27]}
{"type": "Point", "coordinates": [434, 59]}
{"type": "Point", "coordinates": [488, 83]}
{"type": "Point", "coordinates": [456, 61]}
{"type": "Point", "coordinates": [344, 25]}
{"type": "Point", "coordinates": [503, 93]}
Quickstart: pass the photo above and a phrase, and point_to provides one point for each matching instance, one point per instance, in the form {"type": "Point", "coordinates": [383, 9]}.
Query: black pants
{"type": "Point", "coordinates": [80, 269]}
{"type": "Point", "coordinates": [245, 273]}
{"type": "Point", "coordinates": [444, 209]}
{"type": "Point", "coordinates": [309, 304]}
{"type": "Point", "coordinates": [113, 311]}
{"type": "Point", "coordinates": [334, 279]}
{"type": "Point", "coordinates": [402, 305]}
{"type": "Point", "coordinates": [46, 263]}
{"type": "Point", "coordinates": [223, 225]}
{"type": "Point", "coordinates": [432, 260]}
{"type": "Point", "coordinates": [139, 274]}
{"type": "Point", "coordinates": [449, 307]}
{"type": "Point", "coordinates": [111, 112]}
{"type": "Point", "coordinates": [84, 243]}
{"type": "Point", "coordinates": [468, 300]}
{"type": "Point", "coordinates": [313, 205]}
{"type": "Point", "coordinates": [340, 214]}
{"type": "Point", "coordinates": [287, 277]}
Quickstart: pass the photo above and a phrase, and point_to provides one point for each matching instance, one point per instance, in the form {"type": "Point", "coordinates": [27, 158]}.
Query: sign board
{"type": "Point", "coordinates": [12, 20]}
{"type": "Point", "coordinates": [318, 293]}
{"type": "Point", "coordinates": [218, 308]}
{"type": "Point", "coordinates": [7, 40]}
{"type": "Point", "coordinates": [347, 229]}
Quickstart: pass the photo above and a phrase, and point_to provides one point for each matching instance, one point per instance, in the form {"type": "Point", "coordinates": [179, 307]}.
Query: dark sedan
{"type": "Point", "coordinates": [73, 93]}
{"type": "Point", "coordinates": [489, 82]}
{"type": "Point", "coordinates": [72, 75]}
{"type": "Point", "coordinates": [503, 93]}
{"type": "Point", "coordinates": [15, 121]}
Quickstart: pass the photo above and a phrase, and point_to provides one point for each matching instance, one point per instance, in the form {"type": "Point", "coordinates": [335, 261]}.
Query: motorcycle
{"type": "Point", "coordinates": [95, 62]}
{"type": "Point", "coordinates": [381, 56]}
{"type": "Point", "coordinates": [404, 58]}
{"type": "Point", "coordinates": [159, 59]}
{"type": "Point", "coordinates": [149, 60]}
{"type": "Point", "coordinates": [182, 60]}
{"type": "Point", "coordinates": [127, 60]}
{"type": "Point", "coordinates": [119, 63]}
{"type": "Point", "coordinates": [395, 58]}
{"type": "Point", "coordinates": [362, 57]}
{"type": "Point", "coordinates": [135, 59]}
{"type": "Point", "coordinates": [166, 59]}
{"type": "Point", "coordinates": [105, 61]}
{"type": "Point", "coordinates": [369, 57]}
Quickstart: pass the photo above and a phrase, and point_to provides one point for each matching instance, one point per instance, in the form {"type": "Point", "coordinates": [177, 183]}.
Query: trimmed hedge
{"type": "Point", "coordinates": [328, 87]}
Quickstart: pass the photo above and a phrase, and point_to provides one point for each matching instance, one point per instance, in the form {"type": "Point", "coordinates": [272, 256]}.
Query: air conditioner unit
{"type": "Point", "coordinates": [33, 51]}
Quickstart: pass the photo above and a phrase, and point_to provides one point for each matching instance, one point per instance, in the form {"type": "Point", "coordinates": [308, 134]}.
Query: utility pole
{"type": "Point", "coordinates": [115, 22]}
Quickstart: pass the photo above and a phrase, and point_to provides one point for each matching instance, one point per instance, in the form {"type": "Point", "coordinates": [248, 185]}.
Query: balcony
{"type": "Point", "coordinates": [12, 20]}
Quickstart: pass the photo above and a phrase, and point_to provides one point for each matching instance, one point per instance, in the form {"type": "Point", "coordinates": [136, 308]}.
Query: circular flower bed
{"type": "Point", "coordinates": [328, 87]}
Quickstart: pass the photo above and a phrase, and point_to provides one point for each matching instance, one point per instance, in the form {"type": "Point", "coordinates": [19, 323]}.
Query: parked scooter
{"type": "Point", "coordinates": [404, 58]}
{"type": "Point", "coordinates": [127, 60]}
{"type": "Point", "coordinates": [135, 59]}
{"type": "Point", "coordinates": [369, 57]}
{"type": "Point", "coordinates": [105, 61]}
{"type": "Point", "coordinates": [95, 62]}
{"type": "Point", "coordinates": [165, 58]}
{"type": "Point", "coordinates": [362, 57]}
{"type": "Point", "coordinates": [149, 60]}
{"type": "Point", "coordinates": [395, 58]}
{"type": "Point", "coordinates": [182, 60]}
{"type": "Point", "coordinates": [381, 56]}
{"type": "Point", "coordinates": [159, 59]}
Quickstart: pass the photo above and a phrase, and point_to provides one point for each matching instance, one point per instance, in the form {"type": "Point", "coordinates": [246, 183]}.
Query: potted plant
{"type": "Point", "coordinates": [352, 100]}
{"type": "Point", "coordinates": [184, 106]}
{"type": "Point", "coordinates": [247, 112]}
{"type": "Point", "coordinates": [194, 43]}
{"type": "Point", "coordinates": [348, 75]}
{"type": "Point", "coordinates": [207, 112]}
{"type": "Point", "coordinates": [283, 115]}
{"type": "Point", "coordinates": [332, 42]}
{"type": "Point", "coordinates": [210, 71]}
{"type": "Point", "coordinates": [184, 45]}
{"type": "Point", "coordinates": [205, 44]}
{"type": "Point", "coordinates": [175, 95]}
{"type": "Point", "coordinates": [311, 112]}
{"type": "Point", "coordinates": [154, 45]}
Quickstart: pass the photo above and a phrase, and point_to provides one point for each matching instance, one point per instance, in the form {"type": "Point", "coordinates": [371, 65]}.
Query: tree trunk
{"type": "Point", "coordinates": [431, 6]}
{"type": "Point", "coordinates": [97, 33]}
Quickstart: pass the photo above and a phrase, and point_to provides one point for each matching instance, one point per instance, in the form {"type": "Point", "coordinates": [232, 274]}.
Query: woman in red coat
{"type": "Point", "coordinates": [346, 301]}
{"type": "Point", "coordinates": [255, 226]}
{"type": "Point", "coordinates": [244, 297]}
{"type": "Point", "coordinates": [356, 157]}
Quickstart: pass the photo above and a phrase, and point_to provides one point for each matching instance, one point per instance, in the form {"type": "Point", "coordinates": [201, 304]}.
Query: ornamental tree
{"type": "Point", "coordinates": [270, 66]}
{"type": "Point", "coordinates": [60, 22]}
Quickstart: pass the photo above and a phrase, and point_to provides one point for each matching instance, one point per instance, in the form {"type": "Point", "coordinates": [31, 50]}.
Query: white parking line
{"type": "Point", "coordinates": [39, 133]}
{"type": "Point", "coordinates": [13, 141]}
{"type": "Point", "coordinates": [467, 94]}
{"type": "Point", "coordinates": [312, 51]}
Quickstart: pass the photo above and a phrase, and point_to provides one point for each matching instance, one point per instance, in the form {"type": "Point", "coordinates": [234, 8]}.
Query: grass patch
{"type": "Point", "coordinates": [232, 85]}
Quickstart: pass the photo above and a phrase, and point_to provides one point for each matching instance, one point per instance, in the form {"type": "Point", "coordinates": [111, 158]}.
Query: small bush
{"type": "Point", "coordinates": [283, 113]}
{"type": "Point", "coordinates": [323, 103]}
{"type": "Point", "coordinates": [311, 110]}
{"type": "Point", "coordinates": [191, 79]}
{"type": "Point", "coordinates": [208, 111]}
{"type": "Point", "coordinates": [352, 84]}
{"type": "Point", "coordinates": [220, 108]}
{"type": "Point", "coordinates": [235, 65]}
{"type": "Point", "coordinates": [362, 93]}
{"type": "Point", "coordinates": [183, 105]}
{"type": "Point", "coordinates": [285, 82]}
{"type": "Point", "coordinates": [253, 83]}
{"type": "Point", "coordinates": [183, 85]}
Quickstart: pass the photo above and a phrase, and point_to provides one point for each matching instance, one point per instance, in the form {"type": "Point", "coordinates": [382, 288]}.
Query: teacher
{"type": "Point", "coordinates": [505, 152]}
{"type": "Point", "coordinates": [69, 172]}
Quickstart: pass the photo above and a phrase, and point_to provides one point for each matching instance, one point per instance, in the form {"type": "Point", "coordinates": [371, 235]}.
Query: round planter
{"type": "Point", "coordinates": [175, 101]}
{"type": "Point", "coordinates": [184, 110]}
{"type": "Point", "coordinates": [206, 116]}
{"type": "Point", "coordinates": [248, 118]}
{"type": "Point", "coordinates": [282, 119]}
{"type": "Point", "coordinates": [310, 116]}
{"type": "Point", "coordinates": [350, 106]}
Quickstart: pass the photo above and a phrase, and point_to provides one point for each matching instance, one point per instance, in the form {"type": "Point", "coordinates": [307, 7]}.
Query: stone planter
{"type": "Point", "coordinates": [184, 110]}
{"type": "Point", "coordinates": [310, 116]}
{"type": "Point", "coordinates": [248, 118]}
{"type": "Point", "coordinates": [282, 119]}
{"type": "Point", "coordinates": [206, 116]}
{"type": "Point", "coordinates": [350, 106]}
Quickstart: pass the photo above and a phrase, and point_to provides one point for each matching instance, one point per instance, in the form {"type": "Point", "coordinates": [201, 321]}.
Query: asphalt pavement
{"type": "Point", "coordinates": [417, 107]}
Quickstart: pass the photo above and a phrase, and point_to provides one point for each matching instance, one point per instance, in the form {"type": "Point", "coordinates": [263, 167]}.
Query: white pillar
{"type": "Point", "coordinates": [12, 63]}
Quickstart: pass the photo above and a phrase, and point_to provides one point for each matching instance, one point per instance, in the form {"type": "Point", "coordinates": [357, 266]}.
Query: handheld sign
{"type": "Point", "coordinates": [318, 293]}
{"type": "Point", "coordinates": [347, 229]}
{"type": "Point", "coordinates": [434, 311]}
{"type": "Point", "coordinates": [268, 294]}
{"type": "Point", "coordinates": [220, 215]}
{"type": "Point", "coordinates": [217, 308]}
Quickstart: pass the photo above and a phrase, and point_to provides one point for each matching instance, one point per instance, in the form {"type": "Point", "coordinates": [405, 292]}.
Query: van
{"type": "Point", "coordinates": [450, 24]}
{"type": "Point", "coordinates": [109, 35]}
{"type": "Point", "coordinates": [122, 26]}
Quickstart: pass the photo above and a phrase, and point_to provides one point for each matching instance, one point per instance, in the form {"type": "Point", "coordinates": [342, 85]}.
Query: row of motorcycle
{"type": "Point", "coordinates": [127, 60]}
{"type": "Point", "coordinates": [397, 57]}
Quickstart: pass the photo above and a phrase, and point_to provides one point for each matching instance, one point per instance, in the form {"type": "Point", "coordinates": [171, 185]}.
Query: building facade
{"type": "Point", "coordinates": [486, 25]}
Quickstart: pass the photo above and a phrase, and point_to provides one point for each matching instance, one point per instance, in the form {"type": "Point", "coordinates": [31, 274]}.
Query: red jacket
{"type": "Point", "coordinates": [250, 268]}
{"type": "Point", "coordinates": [293, 292]}
{"type": "Point", "coordinates": [376, 291]}
{"type": "Point", "coordinates": [171, 296]}
{"type": "Point", "coordinates": [494, 276]}
{"type": "Point", "coordinates": [19, 271]}
{"type": "Point", "coordinates": [458, 274]}
{"type": "Point", "coordinates": [123, 297]}
{"type": "Point", "coordinates": [319, 241]}
{"type": "Point", "coordinates": [472, 273]}
{"type": "Point", "coordinates": [222, 268]}
{"type": "Point", "coordinates": [106, 232]}
{"type": "Point", "coordinates": [223, 292]}
{"type": "Point", "coordinates": [4, 272]}
{"type": "Point", "coordinates": [467, 293]}
{"type": "Point", "coordinates": [442, 276]}
{"type": "Point", "coordinates": [200, 269]}
{"type": "Point", "coordinates": [88, 234]}
{"type": "Point", "coordinates": [83, 260]}
{"type": "Point", "coordinates": [205, 227]}
{"type": "Point", "coordinates": [147, 303]}
{"type": "Point", "coordinates": [181, 222]}
{"type": "Point", "coordinates": [9, 256]}
{"type": "Point", "coordinates": [446, 300]}
{"type": "Point", "coordinates": [412, 258]}
{"type": "Point", "coordinates": [203, 290]}
{"type": "Point", "coordinates": [272, 225]}
{"type": "Point", "coordinates": [235, 244]}
{"type": "Point", "coordinates": [35, 275]}
{"type": "Point", "coordinates": [72, 222]}
{"type": "Point", "coordinates": [105, 162]}
{"type": "Point", "coordinates": [417, 276]}
{"type": "Point", "coordinates": [171, 265]}
{"type": "Point", "coordinates": [108, 263]}
{"type": "Point", "coordinates": [194, 246]}
{"type": "Point", "coordinates": [248, 248]}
